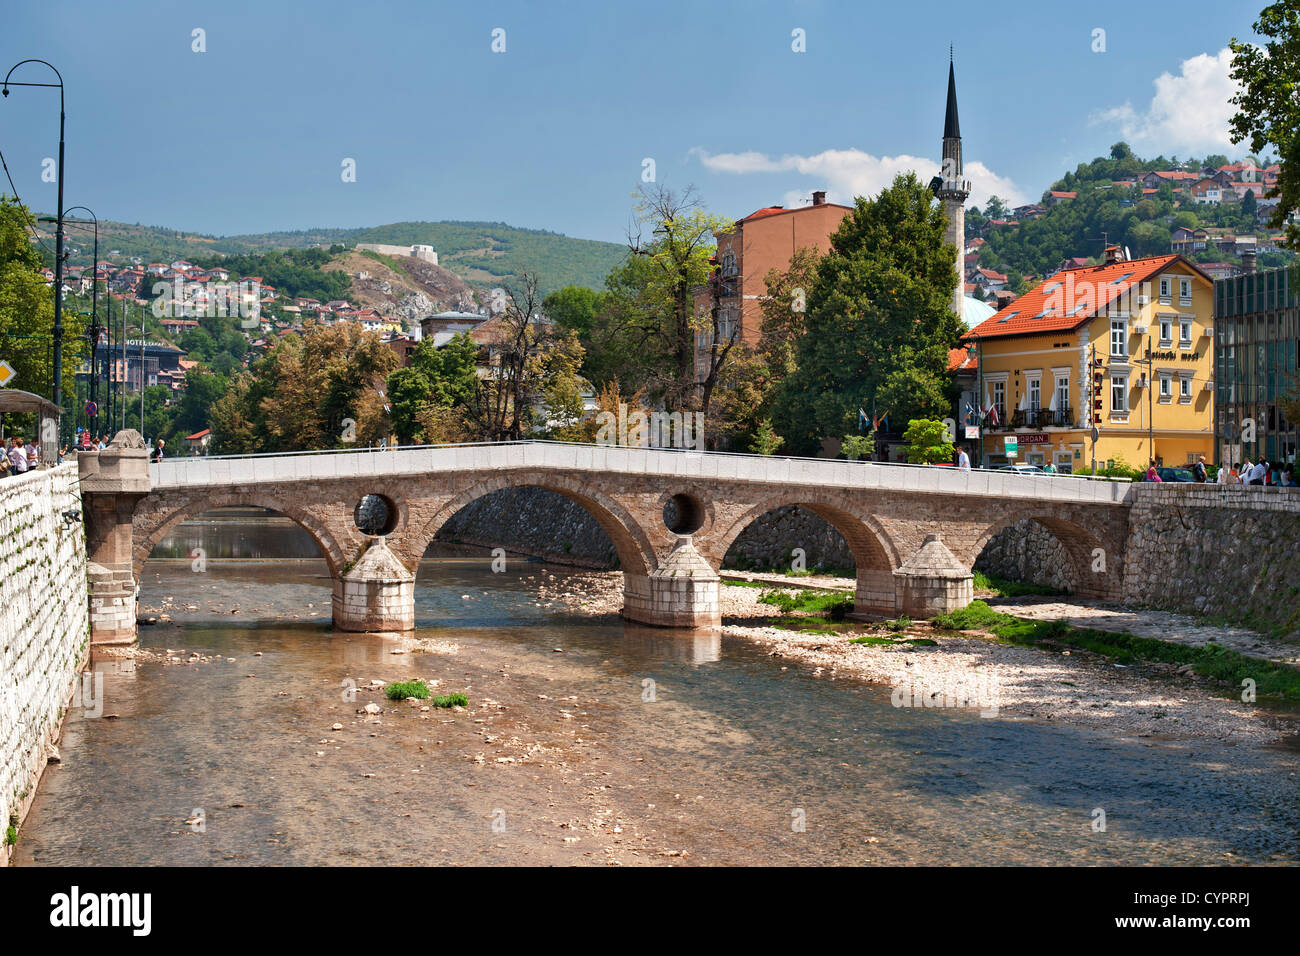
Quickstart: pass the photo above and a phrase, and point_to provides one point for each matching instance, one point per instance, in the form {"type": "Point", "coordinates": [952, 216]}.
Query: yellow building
{"type": "Point", "coordinates": [1125, 347]}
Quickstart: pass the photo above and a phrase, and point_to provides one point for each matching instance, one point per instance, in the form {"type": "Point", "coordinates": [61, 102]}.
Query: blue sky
{"type": "Point", "coordinates": [250, 135]}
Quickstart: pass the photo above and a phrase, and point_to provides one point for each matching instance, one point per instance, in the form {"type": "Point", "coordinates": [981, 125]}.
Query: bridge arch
{"type": "Point", "coordinates": [635, 552]}
{"type": "Point", "coordinates": [871, 545]}
{"type": "Point", "coordinates": [153, 528]}
{"type": "Point", "coordinates": [1080, 545]}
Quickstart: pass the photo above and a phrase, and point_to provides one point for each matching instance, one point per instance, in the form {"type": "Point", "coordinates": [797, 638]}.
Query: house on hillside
{"type": "Point", "coordinates": [1206, 192]}
{"type": "Point", "coordinates": [1184, 240]}
{"type": "Point", "coordinates": [1055, 198]}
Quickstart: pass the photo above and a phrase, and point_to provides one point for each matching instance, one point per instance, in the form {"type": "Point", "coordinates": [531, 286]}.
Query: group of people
{"type": "Point", "coordinates": [19, 456]}
{"type": "Point", "coordinates": [1262, 472]}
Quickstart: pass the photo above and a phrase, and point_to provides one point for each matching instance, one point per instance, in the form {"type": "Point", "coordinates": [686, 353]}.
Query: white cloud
{"type": "Point", "coordinates": [1189, 112]}
{"type": "Point", "coordinates": [846, 173]}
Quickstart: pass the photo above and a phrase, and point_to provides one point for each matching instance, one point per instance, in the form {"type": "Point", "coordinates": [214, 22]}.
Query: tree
{"type": "Point", "coordinates": [927, 442]}
{"type": "Point", "coordinates": [532, 383]}
{"type": "Point", "coordinates": [652, 315]}
{"type": "Point", "coordinates": [766, 440]}
{"type": "Point", "coordinates": [995, 209]}
{"type": "Point", "coordinates": [439, 378]}
{"type": "Point", "coordinates": [1121, 150]}
{"type": "Point", "coordinates": [879, 322]}
{"type": "Point", "coordinates": [27, 311]}
{"type": "Point", "coordinates": [320, 389]}
{"type": "Point", "coordinates": [193, 414]}
{"type": "Point", "coordinates": [1248, 207]}
{"type": "Point", "coordinates": [1268, 111]}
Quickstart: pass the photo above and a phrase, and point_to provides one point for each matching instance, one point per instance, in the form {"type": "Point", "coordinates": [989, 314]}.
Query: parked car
{"type": "Point", "coordinates": [1175, 474]}
{"type": "Point", "coordinates": [1021, 469]}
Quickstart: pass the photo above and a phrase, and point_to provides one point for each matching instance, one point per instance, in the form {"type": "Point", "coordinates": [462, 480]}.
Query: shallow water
{"type": "Point", "coordinates": [722, 766]}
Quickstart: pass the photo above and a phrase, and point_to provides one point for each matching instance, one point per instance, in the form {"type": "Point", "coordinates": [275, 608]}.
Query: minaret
{"type": "Point", "coordinates": [953, 190]}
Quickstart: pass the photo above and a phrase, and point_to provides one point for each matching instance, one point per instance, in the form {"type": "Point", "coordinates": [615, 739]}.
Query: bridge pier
{"type": "Point", "coordinates": [112, 482]}
{"type": "Point", "coordinates": [375, 594]}
{"type": "Point", "coordinates": [932, 581]}
{"type": "Point", "coordinates": [681, 592]}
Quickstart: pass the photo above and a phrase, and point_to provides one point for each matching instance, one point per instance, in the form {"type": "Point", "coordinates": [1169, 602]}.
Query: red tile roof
{"type": "Point", "coordinates": [1058, 195]}
{"type": "Point", "coordinates": [961, 360]}
{"type": "Point", "coordinates": [1073, 296]}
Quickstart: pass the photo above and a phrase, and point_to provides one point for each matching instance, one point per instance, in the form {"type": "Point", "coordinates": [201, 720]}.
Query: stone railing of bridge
{"type": "Point", "coordinates": [914, 531]}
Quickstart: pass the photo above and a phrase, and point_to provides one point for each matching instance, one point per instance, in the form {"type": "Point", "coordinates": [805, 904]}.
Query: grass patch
{"type": "Point", "coordinates": [900, 623]}
{"type": "Point", "coordinates": [450, 700]}
{"type": "Point", "coordinates": [1212, 660]}
{"type": "Point", "coordinates": [1004, 588]}
{"type": "Point", "coordinates": [834, 604]}
{"type": "Point", "coordinates": [746, 584]}
{"type": "Point", "coordinates": [404, 689]}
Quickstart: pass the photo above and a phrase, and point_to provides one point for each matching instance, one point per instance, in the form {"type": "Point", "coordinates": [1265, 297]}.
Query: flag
{"type": "Point", "coordinates": [862, 420]}
{"type": "Point", "coordinates": [993, 413]}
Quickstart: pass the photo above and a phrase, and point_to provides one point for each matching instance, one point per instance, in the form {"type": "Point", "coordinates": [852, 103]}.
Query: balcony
{"type": "Point", "coordinates": [1041, 418]}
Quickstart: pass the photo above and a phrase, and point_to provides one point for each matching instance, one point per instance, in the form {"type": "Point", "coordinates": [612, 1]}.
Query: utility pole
{"type": "Point", "coordinates": [142, 376]}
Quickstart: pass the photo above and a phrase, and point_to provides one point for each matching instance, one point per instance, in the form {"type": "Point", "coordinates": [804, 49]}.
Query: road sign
{"type": "Point", "coordinates": [972, 432]}
{"type": "Point", "coordinates": [7, 374]}
{"type": "Point", "coordinates": [91, 409]}
{"type": "Point", "coordinates": [1012, 446]}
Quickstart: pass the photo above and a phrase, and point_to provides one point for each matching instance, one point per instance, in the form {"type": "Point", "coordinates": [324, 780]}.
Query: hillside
{"type": "Point", "coordinates": [410, 288]}
{"type": "Point", "coordinates": [484, 254]}
{"type": "Point", "coordinates": [1106, 202]}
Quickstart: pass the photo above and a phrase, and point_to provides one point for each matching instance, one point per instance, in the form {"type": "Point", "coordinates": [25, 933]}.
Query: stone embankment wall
{"type": "Point", "coordinates": [44, 626]}
{"type": "Point", "coordinates": [1230, 552]}
{"type": "Point", "coordinates": [548, 525]}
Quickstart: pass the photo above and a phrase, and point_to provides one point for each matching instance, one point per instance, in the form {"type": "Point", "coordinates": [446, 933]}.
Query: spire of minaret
{"type": "Point", "coordinates": [951, 128]}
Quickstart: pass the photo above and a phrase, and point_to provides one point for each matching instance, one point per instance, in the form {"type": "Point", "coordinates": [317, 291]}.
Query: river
{"type": "Point", "coordinates": [566, 755]}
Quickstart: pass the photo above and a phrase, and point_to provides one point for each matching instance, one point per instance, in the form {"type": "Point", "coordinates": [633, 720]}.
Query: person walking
{"type": "Point", "coordinates": [1198, 470]}
{"type": "Point", "coordinates": [963, 460]}
{"type": "Point", "coordinates": [1049, 469]}
{"type": "Point", "coordinates": [33, 454]}
{"type": "Point", "coordinates": [158, 451]}
{"type": "Point", "coordinates": [1152, 474]}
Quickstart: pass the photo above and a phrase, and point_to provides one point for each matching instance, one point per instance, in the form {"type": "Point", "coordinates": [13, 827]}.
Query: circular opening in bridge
{"type": "Point", "coordinates": [683, 514]}
{"type": "Point", "coordinates": [375, 515]}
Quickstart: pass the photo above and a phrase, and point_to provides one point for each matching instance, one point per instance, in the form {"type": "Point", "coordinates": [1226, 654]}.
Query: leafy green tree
{"type": "Point", "coordinates": [766, 441]}
{"type": "Point", "coordinates": [879, 322]}
{"type": "Point", "coordinates": [582, 311]}
{"type": "Point", "coordinates": [436, 378]}
{"type": "Point", "coordinates": [202, 390]}
{"type": "Point", "coordinates": [1268, 110]}
{"type": "Point", "coordinates": [1249, 206]}
{"type": "Point", "coordinates": [927, 442]}
{"type": "Point", "coordinates": [27, 312]}
{"type": "Point", "coordinates": [653, 312]}
{"type": "Point", "coordinates": [857, 447]}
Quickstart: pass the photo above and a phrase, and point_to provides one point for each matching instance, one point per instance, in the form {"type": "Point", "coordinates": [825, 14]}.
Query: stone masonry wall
{"type": "Point", "coordinates": [1224, 551]}
{"type": "Point", "coordinates": [545, 524]}
{"type": "Point", "coordinates": [1028, 552]}
{"type": "Point", "coordinates": [44, 626]}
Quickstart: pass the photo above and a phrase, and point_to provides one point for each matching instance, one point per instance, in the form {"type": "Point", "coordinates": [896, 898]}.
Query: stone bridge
{"type": "Point", "coordinates": [914, 531]}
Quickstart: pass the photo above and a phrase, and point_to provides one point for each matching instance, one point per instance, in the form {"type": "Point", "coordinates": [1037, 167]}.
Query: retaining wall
{"type": "Point", "coordinates": [44, 626]}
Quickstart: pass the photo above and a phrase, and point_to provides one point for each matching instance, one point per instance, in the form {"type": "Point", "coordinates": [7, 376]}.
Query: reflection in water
{"type": "Point", "coordinates": [717, 764]}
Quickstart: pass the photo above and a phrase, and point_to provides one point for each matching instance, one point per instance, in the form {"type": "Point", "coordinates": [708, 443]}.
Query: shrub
{"type": "Point", "coordinates": [404, 689]}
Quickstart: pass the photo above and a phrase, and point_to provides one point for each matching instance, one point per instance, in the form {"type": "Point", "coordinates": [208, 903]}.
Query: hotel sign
{"type": "Point", "coordinates": [1041, 438]}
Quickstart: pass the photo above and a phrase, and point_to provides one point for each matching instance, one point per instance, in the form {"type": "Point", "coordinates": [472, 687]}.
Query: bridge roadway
{"type": "Point", "coordinates": [914, 531]}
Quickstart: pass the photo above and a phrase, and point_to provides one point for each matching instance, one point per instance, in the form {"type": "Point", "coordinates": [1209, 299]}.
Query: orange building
{"type": "Point", "coordinates": [762, 241]}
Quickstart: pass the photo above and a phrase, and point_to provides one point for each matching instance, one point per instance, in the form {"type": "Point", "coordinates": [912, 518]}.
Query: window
{"type": "Point", "coordinates": [1165, 287]}
{"type": "Point", "coordinates": [1062, 392]}
{"type": "Point", "coordinates": [1184, 388]}
{"type": "Point", "coordinates": [1000, 400]}
{"type": "Point", "coordinates": [1119, 394]}
{"type": "Point", "coordinates": [1035, 394]}
{"type": "Point", "coordinates": [1166, 332]}
{"type": "Point", "coordinates": [1166, 388]}
{"type": "Point", "coordinates": [1185, 290]}
{"type": "Point", "coordinates": [1185, 333]}
{"type": "Point", "coordinates": [1119, 338]}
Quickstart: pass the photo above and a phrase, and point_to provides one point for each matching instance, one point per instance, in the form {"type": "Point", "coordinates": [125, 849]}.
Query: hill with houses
{"type": "Point", "coordinates": [1215, 213]}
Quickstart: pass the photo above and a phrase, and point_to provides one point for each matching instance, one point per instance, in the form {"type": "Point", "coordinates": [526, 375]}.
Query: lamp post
{"type": "Point", "coordinates": [57, 397]}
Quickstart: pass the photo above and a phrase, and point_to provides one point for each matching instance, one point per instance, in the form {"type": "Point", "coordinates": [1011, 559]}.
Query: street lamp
{"type": "Point", "coordinates": [57, 397]}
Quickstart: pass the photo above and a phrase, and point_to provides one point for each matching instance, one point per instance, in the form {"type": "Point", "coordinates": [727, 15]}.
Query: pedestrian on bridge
{"type": "Point", "coordinates": [17, 456]}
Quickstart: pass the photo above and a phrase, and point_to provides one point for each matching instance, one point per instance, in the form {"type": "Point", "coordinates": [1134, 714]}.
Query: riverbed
{"type": "Point", "coordinates": [586, 741]}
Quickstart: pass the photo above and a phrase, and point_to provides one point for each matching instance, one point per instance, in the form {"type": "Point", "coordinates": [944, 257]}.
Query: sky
{"type": "Point", "coordinates": [240, 117]}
